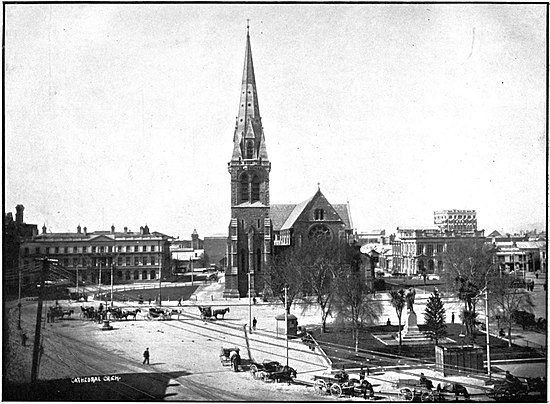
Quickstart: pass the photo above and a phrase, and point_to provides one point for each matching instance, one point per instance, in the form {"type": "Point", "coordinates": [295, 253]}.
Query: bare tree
{"type": "Point", "coordinates": [506, 298]}
{"type": "Point", "coordinates": [398, 303]}
{"type": "Point", "coordinates": [468, 267]}
{"type": "Point", "coordinates": [354, 303]}
{"type": "Point", "coordinates": [285, 271]}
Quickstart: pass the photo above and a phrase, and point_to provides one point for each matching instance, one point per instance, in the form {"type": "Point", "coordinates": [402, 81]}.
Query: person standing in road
{"type": "Point", "coordinates": [254, 322]}
{"type": "Point", "coordinates": [361, 374]}
{"type": "Point", "coordinates": [146, 356]}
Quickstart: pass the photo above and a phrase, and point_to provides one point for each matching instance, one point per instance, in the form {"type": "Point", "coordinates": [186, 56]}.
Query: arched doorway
{"type": "Point", "coordinates": [136, 274]}
{"type": "Point", "coordinates": [153, 274]}
{"type": "Point", "coordinates": [144, 275]}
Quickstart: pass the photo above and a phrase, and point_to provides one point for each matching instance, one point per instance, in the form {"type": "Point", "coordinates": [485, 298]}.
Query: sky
{"type": "Point", "coordinates": [123, 114]}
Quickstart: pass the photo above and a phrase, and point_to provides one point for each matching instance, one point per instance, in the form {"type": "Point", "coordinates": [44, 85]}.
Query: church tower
{"type": "Point", "coordinates": [249, 240]}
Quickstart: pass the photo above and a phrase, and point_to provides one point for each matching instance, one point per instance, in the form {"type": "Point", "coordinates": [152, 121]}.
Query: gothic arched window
{"type": "Point", "coordinates": [320, 232]}
{"type": "Point", "coordinates": [244, 188]}
{"type": "Point", "coordinates": [319, 214]}
{"type": "Point", "coordinates": [250, 149]}
{"type": "Point", "coordinates": [144, 275]}
{"type": "Point", "coordinates": [258, 260]}
{"type": "Point", "coordinates": [255, 189]}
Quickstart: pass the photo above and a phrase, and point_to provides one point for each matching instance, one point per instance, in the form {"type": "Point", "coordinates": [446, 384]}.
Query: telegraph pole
{"type": "Point", "coordinates": [36, 347]}
{"type": "Point", "coordinates": [19, 302]}
{"type": "Point", "coordinates": [286, 324]}
{"type": "Point", "coordinates": [112, 282]}
{"type": "Point", "coordinates": [249, 306]}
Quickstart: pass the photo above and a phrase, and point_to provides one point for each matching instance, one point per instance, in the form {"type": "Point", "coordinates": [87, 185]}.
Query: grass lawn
{"type": "Point", "coordinates": [339, 345]}
{"type": "Point", "coordinates": [172, 293]}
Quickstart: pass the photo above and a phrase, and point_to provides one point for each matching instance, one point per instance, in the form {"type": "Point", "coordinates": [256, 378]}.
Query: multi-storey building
{"type": "Point", "coordinates": [15, 232]}
{"type": "Point", "coordinates": [456, 220]}
{"type": "Point", "coordinates": [129, 256]}
{"type": "Point", "coordinates": [420, 250]}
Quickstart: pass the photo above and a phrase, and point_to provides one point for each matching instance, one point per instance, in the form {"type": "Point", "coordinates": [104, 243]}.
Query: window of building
{"type": "Point", "coordinates": [119, 248]}
{"type": "Point", "coordinates": [127, 275]}
{"type": "Point", "coordinates": [144, 248]}
{"type": "Point", "coordinates": [119, 275]}
{"type": "Point", "coordinates": [258, 260]}
{"type": "Point", "coordinates": [244, 188]}
{"type": "Point", "coordinates": [144, 259]}
{"type": "Point", "coordinates": [65, 262]}
{"type": "Point", "coordinates": [439, 248]}
{"type": "Point", "coordinates": [66, 250]}
{"type": "Point", "coordinates": [57, 250]}
{"type": "Point", "coordinates": [136, 248]}
{"type": "Point", "coordinates": [127, 261]}
{"type": "Point", "coordinates": [93, 249]}
{"type": "Point", "coordinates": [152, 260]}
{"type": "Point", "coordinates": [320, 232]}
{"type": "Point", "coordinates": [110, 248]}
{"type": "Point", "coordinates": [84, 249]}
{"type": "Point", "coordinates": [75, 250]}
{"type": "Point", "coordinates": [152, 248]}
{"type": "Point", "coordinates": [319, 214]}
{"type": "Point", "coordinates": [429, 249]}
{"type": "Point", "coordinates": [128, 248]}
{"type": "Point", "coordinates": [119, 261]}
{"type": "Point", "coordinates": [136, 274]}
{"type": "Point", "coordinates": [37, 250]}
{"type": "Point", "coordinates": [75, 262]}
{"type": "Point", "coordinates": [153, 275]}
{"type": "Point", "coordinates": [419, 249]}
{"type": "Point", "coordinates": [101, 249]}
{"type": "Point", "coordinates": [250, 149]}
{"type": "Point", "coordinates": [255, 189]}
{"type": "Point", "coordinates": [144, 275]}
{"type": "Point", "coordinates": [136, 261]}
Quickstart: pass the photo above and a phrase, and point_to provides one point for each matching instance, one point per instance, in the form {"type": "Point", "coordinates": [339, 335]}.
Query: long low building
{"type": "Point", "coordinates": [131, 256]}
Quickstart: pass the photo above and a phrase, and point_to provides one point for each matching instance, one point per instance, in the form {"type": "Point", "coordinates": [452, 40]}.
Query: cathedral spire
{"type": "Point", "coordinates": [248, 139]}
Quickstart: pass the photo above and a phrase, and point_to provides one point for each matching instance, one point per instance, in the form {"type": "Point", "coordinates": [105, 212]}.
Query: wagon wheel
{"type": "Point", "coordinates": [501, 393]}
{"type": "Point", "coordinates": [319, 386]}
{"type": "Point", "coordinates": [81, 316]}
{"type": "Point", "coordinates": [405, 394]}
{"type": "Point", "coordinates": [254, 371]}
{"type": "Point", "coordinates": [336, 390]}
{"type": "Point", "coordinates": [149, 317]}
{"type": "Point", "coordinates": [426, 396]}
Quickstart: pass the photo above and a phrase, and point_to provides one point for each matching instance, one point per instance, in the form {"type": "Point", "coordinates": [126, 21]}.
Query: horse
{"type": "Point", "coordinates": [221, 312]}
{"type": "Point", "coordinates": [131, 313]}
{"type": "Point", "coordinates": [175, 311]}
{"type": "Point", "coordinates": [67, 313]}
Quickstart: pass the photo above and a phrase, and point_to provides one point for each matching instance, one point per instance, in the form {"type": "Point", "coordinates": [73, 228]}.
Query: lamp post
{"type": "Point", "coordinates": [286, 324]}
{"type": "Point", "coordinates": [19, 303]}
{"type": "Point", "coordinates": [112, 282]}
{"type": "Point", "coordinates": [487, 331]}
{"type": "Point", "coordinates": [249, 306]}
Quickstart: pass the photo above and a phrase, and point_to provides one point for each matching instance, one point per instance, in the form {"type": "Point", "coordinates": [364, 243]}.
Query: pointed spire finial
{"type": "Point", "coordinates": [247, 26]}
{"type": "Point", "coordinates": [319, 186]}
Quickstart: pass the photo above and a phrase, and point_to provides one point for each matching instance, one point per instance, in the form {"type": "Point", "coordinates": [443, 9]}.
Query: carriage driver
{"type": "Point", "coordinates": [235, 360]}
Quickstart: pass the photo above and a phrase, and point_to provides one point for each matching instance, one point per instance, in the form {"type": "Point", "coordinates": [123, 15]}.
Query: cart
{"type": "Point", "coordinates": [225, 355]}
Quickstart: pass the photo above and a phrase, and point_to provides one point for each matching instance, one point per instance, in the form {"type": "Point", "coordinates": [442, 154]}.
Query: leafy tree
{"type": "Point", "coordinates": [398, 303]}
{"type": "Point", "coordinates": [507, 298]}
{"type": "Point", "coordinates": [354, 303]}
{"type": "Point", "coordinates": [434, 317]}
{"type": "Point", "coordinates": [468, 267]}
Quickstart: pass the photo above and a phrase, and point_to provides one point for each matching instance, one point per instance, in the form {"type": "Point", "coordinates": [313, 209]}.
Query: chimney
{"type": "Point", "coordinates": [113, 229]}
{"type": "Point", "coordinates": [19, 214]}
{"type": "Point", "coordinates": [141, 230]}
{"type": "Point", "coordinates": [44, 229]}
{"type": "Point", "coordinates": [85, 231]}
{"type": "Point", "coordinates": [125, 229]}
{"type": "Point", "coordinates": [78, 229]}
{"type": "Point", "coordinates": [146, 230]}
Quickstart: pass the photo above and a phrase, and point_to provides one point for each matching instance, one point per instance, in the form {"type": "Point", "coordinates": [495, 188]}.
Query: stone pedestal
{"type": "Point", "coordinates": [411, 326]}
{"type": "Point", "coordinates": [106, 326]}
{"type": "Point", "coordinates": [411, 333]}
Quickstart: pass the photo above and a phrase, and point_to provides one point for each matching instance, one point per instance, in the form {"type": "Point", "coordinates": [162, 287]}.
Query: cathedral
{"type": "Point", "coordinates": [258, 230]}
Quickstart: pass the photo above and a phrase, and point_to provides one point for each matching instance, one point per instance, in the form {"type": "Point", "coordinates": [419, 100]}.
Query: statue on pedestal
{"type": "Point", "coordinates": [409, 297]}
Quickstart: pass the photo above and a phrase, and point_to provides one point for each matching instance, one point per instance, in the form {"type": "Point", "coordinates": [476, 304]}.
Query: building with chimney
{"type": "Point", "coordinates": [129, 256]}
{"type": "Point", "coordinates": [259, 229]}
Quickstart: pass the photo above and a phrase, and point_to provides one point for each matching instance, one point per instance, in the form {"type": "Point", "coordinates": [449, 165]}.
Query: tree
{"type": "Point", "coordinates": [434, 317]}
{"type": "Point", "coordinates": [320, 268]}
{"type": "Point", "coordinates": [468, 267]}
{"type": "Point", "coordinates": [354, 303]}
{"type": "Point", "coordinates": [398, 303]}
{"type": "Point", "coordinates": [507, 299]}
{"type": "Point", "coordinates": [285, 271]}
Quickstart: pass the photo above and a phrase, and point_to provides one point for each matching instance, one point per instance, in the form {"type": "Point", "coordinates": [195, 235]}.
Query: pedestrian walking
{"type": "Point", "coordinates": [254, 300]}
{"type": "Point", "coordinates": [23, 339]}
{"type": "Point", "coordinates": [362, 374]}
{"type": "Point", "coordinates": [179, 302]}
{"type": "Point", "coordinates": [453, 317]}
{"type": "Point", "coordinates": [254, 322]}
{"type": "Point", "coordinates": [146, 356]}
{"type": "Point", "coordinates": [149, 301]}
{"type": "Point", "coordinates": [235, 360]}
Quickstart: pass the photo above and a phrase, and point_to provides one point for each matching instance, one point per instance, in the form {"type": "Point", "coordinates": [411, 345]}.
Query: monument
{"type": "Point", "coordinates": [411, 333]}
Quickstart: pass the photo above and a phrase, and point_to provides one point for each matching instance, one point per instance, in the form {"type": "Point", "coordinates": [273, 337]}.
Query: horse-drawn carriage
{"type": "Point", "coordinates": [118, 313]}
{"type": "Point", "coordinates": [339, 385]}
{"type": "Point", "coordinates": [90, 313]}
{"type": "Point", "coordinates": [156, 313]}
{"type": "Point", "coordinates": [208, 313]}
{"type": "Point", "coordinates": [225, 355]}
{"type": "Point", "coordinates": [411, 389]}
{"type": "Point", "coordinates": [272, 371]}
{"type": "Point", "coordinates": [519, 389]}
{"type": "Point", "coordinates": [59, 312]}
